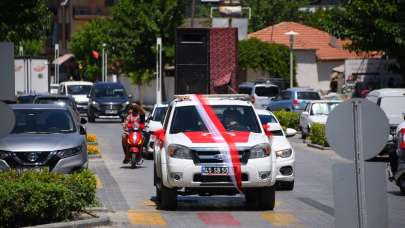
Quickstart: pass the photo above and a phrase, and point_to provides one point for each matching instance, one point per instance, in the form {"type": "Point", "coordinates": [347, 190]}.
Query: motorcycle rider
{"type": "Point", "coordinates": [136, 116]}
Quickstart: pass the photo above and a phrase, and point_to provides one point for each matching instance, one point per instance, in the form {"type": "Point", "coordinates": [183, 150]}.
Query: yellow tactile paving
{"type": "Point", "coordinates": [149, 203]}
{"type": "Point", "coordinates": [146, 218]}
{"type": "Point", "coordinates": [99, 183]}
{"type": "Point", "coordinates": [281, 219]}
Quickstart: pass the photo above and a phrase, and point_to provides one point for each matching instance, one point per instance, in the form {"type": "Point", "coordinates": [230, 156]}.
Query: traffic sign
{"type": "Point", "coordinates": [370, 124]}
{"type": "Point", "coordinates": [7, 120]}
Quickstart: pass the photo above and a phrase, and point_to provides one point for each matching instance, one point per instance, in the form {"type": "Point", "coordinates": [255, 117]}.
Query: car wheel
{"type": "Point", "coordinates": [168, 198]}
{"type": "Point", "coordinates": [402, 190]}
{"type": "Point", "coordinates": [267, 198]}
{"type": "Point", "coordinates": [252, 198]}
{"type": "Point", "coordinates": [91, 116]}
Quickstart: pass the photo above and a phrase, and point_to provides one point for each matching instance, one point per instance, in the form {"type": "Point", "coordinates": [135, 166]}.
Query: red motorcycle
{"type": "Point", "coordinates": [135, 143]}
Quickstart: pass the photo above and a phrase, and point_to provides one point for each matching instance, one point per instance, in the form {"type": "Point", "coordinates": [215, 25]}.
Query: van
{"type": "Point", "coordinates": [79, 90]}
{"type": "Point", "coordinates": [392, 102]}
{"type": "Point", "coordinates": [260, 92]}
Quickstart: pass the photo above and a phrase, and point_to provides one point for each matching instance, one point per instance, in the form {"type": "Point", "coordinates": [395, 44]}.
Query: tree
{"type": "Point", "coordinates": [91, 38]}
{"type": "Point", "coordinates": [137, 24]}
{"type": "Point", "coordinates": [267, 57]}
{"type": "Point", "coordinates": [377, 25]}
{"type": "Point", "coordinates": [23, 20]}
{"type": "Point", "coordinates": [269, 12]}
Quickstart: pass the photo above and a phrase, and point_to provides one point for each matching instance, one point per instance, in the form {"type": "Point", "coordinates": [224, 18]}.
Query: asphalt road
{"type": "Point", "coordinates": [129, 193]}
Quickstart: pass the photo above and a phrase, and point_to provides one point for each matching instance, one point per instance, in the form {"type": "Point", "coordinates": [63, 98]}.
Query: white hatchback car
{"type": "Point", "coordinates": [315, 112]}
{"type": "Point", "coordinates": [285, 162]}
{"type": "Point", "coordinates": [153, 123]}
{"type": "Point", "coordinates": [215, 147]}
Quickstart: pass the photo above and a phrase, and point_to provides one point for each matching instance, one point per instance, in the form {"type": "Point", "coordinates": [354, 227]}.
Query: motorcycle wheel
{"type": "Point", "coordinates": [134, 161]}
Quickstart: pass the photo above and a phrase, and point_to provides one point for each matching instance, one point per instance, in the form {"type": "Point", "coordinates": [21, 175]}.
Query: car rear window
{"type": "Point", "coordinates": [232, 117]}
{"type": "Point", "coordinates": [245, 90]}
{"type": "Point", "coordinates": [263, 91]}
{"type": "Point", "coordinates": [308, 96]}
{"type": "Point", "coordinates": [61, 101]}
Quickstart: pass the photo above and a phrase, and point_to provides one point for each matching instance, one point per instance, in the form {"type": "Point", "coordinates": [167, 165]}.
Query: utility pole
{"type": "Point", "coordinates": [192, 13]}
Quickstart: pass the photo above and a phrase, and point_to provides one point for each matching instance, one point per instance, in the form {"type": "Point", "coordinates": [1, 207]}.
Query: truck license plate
{"type": "Point", "coordinates": [212, 171]}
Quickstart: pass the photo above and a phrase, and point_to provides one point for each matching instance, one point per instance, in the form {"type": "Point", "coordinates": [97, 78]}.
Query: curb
{"type": "Point", "coordinates": [102, 221]}
{"type": "Point", "coordinates": [94, 156]}
{"type": "Point", "coordinates": [318, 146]}
{"type": "Point", "coordinates": [99, 209]}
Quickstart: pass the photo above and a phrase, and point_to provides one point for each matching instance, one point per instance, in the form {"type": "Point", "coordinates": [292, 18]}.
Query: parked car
{"type": "Point", "coordinates": [260, 92]}
{"type": "Point", "coordinates": [79, 90]}
{"type": "Point", "coordinates": [293, 99]}
{"type": "Point", "coordinates": [44, 137]}
{"type": "Point", "coordinates": [315, 112]}
{"type": "Point", "coordinates": [108, 100]}
{"type": "Point", "coordinates": [154, 122]}
{"type": "Point", "coordinates": [191, 161]}
{"type": "Point", "coordinates": [392, 102]}
{"type": "Point", "coordinates": [285, 161]}
{"type": "Point", "coordinates": [60, 100]}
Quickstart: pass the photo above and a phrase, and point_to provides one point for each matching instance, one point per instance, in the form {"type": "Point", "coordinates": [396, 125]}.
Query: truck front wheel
{"type": "Point", "coordinates": [168, 198]}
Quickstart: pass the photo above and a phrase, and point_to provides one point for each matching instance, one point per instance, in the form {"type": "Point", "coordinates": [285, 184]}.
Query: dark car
{"type": "Point", "coordinates": [293, 99]}
{"type": "Point", "coordinates": [58, 99]}
{"type": "Point", "coordinates": [108, 100]}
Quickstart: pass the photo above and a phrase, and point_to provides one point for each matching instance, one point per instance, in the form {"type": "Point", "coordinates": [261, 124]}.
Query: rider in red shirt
{"type": "Point", "coordinates": [136, 116]}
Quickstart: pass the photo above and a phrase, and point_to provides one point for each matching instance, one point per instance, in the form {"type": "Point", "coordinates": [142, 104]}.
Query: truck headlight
{"type": "Point", "coordinates": [3, 154]}
{"type": "Point", "coordinates": [284, 153]}
{"type": "Point", "coordinates": [69, 152]}
{"type": "Point", "coordinates": [180, 152]}
{"type": "Point", "coordinates": [260, 151]}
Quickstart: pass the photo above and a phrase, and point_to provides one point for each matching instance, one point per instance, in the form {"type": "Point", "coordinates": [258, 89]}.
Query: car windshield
{"type": "Point", "coordinates": [232, 117]}
{"type": "Point", "coordinates": [322, 108]}
{"type": "Point", "coordinates": [263, 91]}
{"type": "Point", "coordinates": [51, 100]}
{"type": "Point", "coordinates": [265, 119]}
{"type": "Point", "coordinates": [308, 96]}
{"type": "Point", "coordinates": [28, 99]}
{"type": "Point", "coordinates": [43, 121]}
{"type": "Point", "coordinates": [159, 114]}
{"type": "Point", "coordinates": [109, 91]}
{"type": "Point", "coordinates": [79, 89]}
{"type": "Point", "coordinates": [245, 90]}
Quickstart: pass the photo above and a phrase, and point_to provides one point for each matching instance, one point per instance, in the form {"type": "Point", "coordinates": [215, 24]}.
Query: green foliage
{"type": "Point", "coordinates": [269, 12]}
{"type": "Point", "coordinates": [91, 37]}
{"type": "Point", "coordinates": [268, 57]}
{"type": "Point", "coordinates": [137, 24]}
{"type": "Point", "coordinates": [32, 198]}
{"type": "Point", "coordinates": [372, 26]}
{"type": "Point", "coordinates": [23, 20]}
{"type": "Point", "coordinates": [31, 47]}
{"type": "Point", "coordinates": [288, 119]}
{"type": "Point", "coordinates": [317, 134]}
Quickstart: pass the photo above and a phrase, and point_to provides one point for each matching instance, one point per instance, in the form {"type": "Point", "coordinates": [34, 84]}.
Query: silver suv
{"type": "Point", "coordinates": [44, 137]}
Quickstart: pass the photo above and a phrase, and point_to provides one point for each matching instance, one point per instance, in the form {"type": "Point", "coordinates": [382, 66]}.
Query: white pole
{"type": "Point", "coordinates": [56, 64]}
{"type": "Point", "coordinates": [106, 66]}
{"type": "Point", "coordinates": [291, 67]}
{"type": "Point", "coordinates": [102, 65]}
{"type": "Point", "coordinates": [159, 71]}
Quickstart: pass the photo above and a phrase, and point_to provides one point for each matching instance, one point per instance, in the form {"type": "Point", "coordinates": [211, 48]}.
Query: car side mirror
{"type": "Point", "coordinates": [290, 132]}
{"type": "Point", "coordinates": [83, 121]}
{"type": "Point", "coordinates": [305, 113]}
{"type": "Point", "coordinates": [267, 131]}
{"type": "Point", "coordinates": [83, 130]}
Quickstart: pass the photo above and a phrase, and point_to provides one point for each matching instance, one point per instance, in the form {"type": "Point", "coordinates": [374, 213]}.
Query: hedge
{"type": "Point", "coordinates": [32, 198]}
{"type": "Point", "coordinates": [317, 134]}
{"type": "Point", "coordinates": [288, 119]}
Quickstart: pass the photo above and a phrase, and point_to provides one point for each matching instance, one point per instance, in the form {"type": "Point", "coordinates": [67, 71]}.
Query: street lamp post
{"type": "Point", "coordinates": [159, 70]}
{"type": "Point", "coordinates": [291, 38]}
{"type": "Point", "coordinates": [56, 66]}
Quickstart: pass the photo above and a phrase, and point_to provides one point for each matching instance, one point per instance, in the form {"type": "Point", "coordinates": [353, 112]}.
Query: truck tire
{"type": "Point", "coordinates": [156, 181]}
{"type": "Point", "coordinates": [267, 198]}
{"type": "Point", "coordinates": [402, 190]}
{"type": "Point", "coordinates": [285, 185]}
{"type": "Point", "coordinates": [168, 198]}
{"type": "Point", "coordinates": [252, 198]}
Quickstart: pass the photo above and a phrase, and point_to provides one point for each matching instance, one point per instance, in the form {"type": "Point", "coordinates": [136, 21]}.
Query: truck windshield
{"type": "Point", "coordinates": [79, 89]}
{"type": "Point", "coordinates": [43, 121]}
{"type": "Point", "coordinates": [232, 117]}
